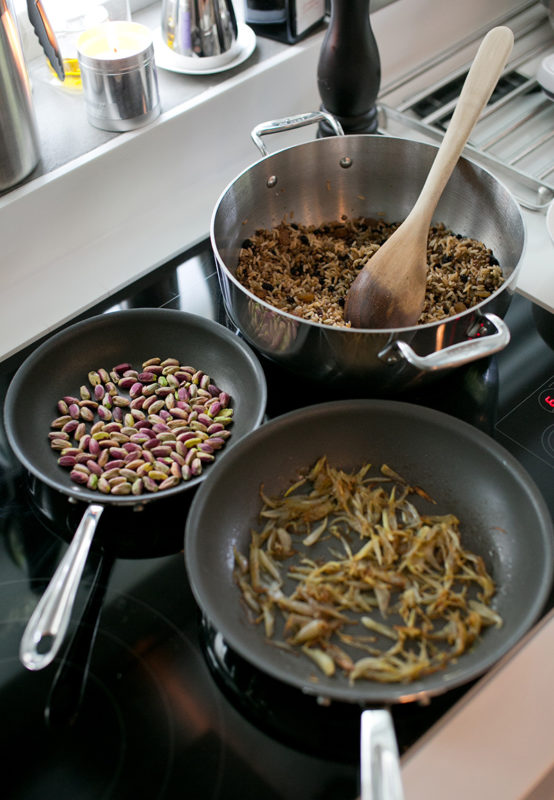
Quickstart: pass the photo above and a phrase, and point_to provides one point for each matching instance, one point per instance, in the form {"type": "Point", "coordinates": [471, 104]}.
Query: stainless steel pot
{"type": "Point", "coordinates": [364, 175]}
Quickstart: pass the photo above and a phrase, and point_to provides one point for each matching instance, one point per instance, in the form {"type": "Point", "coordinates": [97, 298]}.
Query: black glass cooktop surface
{"type": "Point", "coordinates": [145, 700]}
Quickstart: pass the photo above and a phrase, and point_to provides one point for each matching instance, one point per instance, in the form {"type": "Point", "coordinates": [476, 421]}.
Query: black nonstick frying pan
{"type": "Point", "coordinates": [503, 518]}
{"type": "Point", "coordinates": [58, 368]}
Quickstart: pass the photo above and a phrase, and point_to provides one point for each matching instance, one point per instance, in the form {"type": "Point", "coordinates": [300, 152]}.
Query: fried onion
{"type": "Point", "coordinates": [375, 589]}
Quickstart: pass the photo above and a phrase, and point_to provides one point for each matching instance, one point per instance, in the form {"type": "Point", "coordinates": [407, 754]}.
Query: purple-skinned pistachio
{"type": "Point", "coordinates": [79, 477]}
{"type": "Point", "coordinates": [123, 367]}
{"type": "Point", "coordinates": [104, 413]}
{"type": "Point", "coordinates": [120, 485]}
{"type": "Point", "coordinates": [70, 426]}
{"type": "Point", "coordinates": [93, 466]}
{"type": "Point", "coordinates": [214, 409]}
{"type": "Point", "coordinates": [58, 444]}
{"type": "Point", "coordinates": [189, 458]}
{"type": "Point", "coordinates": [113, 464]}
{"type": "Point", "coordinates": [84, 441]}
{"type": "Point", "coordinates": [179, 413]}
{"type": "Point", "coordinates": [216, 442]}
{"type": "Point", "coordinates": [131, 447]}
{"type": "Point", "coordinates": [113, 427]}
{"type": "Point", "coordinates": [149, 484]}
{"type": "Point", "coordinates": [170, 482]}
{"type": "Point", "coordinates": [127, 383]}
{"type": "Point", "coordinates": [161, 450]}
{"type": "Point", "coordinates": [135, 390]}
{"type": "Point", "coordinates": [84, 457]}
{"type": "Point", "coordinates": [196, 466]}
{"type": "Point", "coordinates": [134, 463]}
{"type": "Point", "coordinates": [80, 431]}
{"type": "Point", "coordinates": [183, 394]}
{"type": "Point", "coordinates": [103, 485]}
{"type": "Point", "coordinates": [67, 461]}
{"type": "Point", "coordinates": [118, 452]}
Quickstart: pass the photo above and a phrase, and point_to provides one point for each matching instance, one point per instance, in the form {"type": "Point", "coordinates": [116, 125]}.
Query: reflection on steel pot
{"type": "Point", "coordinates": [372, 176]}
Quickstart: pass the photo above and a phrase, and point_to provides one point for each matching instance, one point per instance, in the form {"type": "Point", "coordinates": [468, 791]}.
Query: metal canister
{"type": "Point", "coordinates": [19, 150]}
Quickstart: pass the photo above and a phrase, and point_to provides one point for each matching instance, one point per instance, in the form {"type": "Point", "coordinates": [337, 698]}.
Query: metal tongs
{"type": "Point", "coordinates": [380, 767]}
{"type": "Point", "coordinates": [46, 36]}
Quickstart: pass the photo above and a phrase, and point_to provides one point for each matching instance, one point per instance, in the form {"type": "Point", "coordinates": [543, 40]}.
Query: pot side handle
{"type": "Point", "coordinates": [289, 123]}
{"type": "Point", "coordinates": [484, 344]}
{"type": "Point", "coordinates": [49, 621]}
{"type": "Point", "coordinates": [380, 777]}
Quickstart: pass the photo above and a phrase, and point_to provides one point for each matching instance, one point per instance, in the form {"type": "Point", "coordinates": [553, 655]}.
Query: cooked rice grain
{"type": "Point", "coordinates": [307, 270]}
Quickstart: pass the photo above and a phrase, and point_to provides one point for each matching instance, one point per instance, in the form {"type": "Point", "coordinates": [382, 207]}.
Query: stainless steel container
{"type": "Point", "coordinates": [199, 28]}
{"type": "Point", "coordinates": [364, 175]}
{"type": "Point", "coordinates": [19, 150]}
{"type": "Point", "coordinates": [119, 76]}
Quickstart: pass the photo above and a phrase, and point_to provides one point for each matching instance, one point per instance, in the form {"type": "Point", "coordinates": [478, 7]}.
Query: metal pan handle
{"type": "Point", "coordinates": [456, 354]}
{"type": "Point", "coordinates": [380, 777]}
{"type": "Point", "coordinates": [289, 123]}
{"type": "Point", "coordinates": [49, 621]}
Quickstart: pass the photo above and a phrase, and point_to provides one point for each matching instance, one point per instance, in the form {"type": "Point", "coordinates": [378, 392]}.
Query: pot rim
{"type": "Point", "coordinates": [507, 285]}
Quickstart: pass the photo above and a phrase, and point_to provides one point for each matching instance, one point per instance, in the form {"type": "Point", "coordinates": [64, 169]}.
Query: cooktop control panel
{"type": "Point", "coordinates": [530, 424]}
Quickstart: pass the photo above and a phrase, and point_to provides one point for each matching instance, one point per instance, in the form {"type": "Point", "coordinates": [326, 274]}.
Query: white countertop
{"type": "Point", "coordinates": [73, 236]}
{"type": "Point", "coordinates": [498, 742]}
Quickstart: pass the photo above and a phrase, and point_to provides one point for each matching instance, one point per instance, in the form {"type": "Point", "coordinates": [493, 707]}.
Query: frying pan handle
{"type": "Point", "coordinates": [288, 123]}
{"type": "Point", "coordinates": [380, 767]}
{"type": "Point", "coordinates": [50, 619]}
{"type": "Point", "coordinates": [484, 344]}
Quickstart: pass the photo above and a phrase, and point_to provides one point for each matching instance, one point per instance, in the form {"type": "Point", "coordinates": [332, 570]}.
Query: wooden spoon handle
{"type": "Point", "coordinates": [481, 79]}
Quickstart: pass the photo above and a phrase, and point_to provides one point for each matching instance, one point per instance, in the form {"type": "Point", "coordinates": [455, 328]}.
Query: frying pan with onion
{"type": "Point", "coordinates": [58, 368]}
{"type": "Point", "coordinates": [503, 518]}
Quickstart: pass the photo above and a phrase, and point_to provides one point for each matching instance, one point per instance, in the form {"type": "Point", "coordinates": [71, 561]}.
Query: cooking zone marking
{"type": "Point", "coordinates": [525, 425]}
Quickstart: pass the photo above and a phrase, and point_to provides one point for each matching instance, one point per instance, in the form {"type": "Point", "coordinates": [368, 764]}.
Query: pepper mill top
{"type": "Point", "coordinates": [349, 68]}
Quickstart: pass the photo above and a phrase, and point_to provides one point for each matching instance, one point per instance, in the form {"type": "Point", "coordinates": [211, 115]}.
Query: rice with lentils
{"type": "Point", "coordinates": [306, 270]}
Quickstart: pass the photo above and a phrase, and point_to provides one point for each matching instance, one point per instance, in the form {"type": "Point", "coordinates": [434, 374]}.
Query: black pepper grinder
{"type": "Point", "coordinates": [349, 69]}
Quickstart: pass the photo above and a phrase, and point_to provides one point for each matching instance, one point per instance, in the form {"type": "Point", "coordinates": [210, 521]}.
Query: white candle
{"type": "Point", "coordinates": [114, 40]}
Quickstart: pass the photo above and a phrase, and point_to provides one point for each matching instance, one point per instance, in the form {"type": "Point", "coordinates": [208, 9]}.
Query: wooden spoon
{"type": "Point", "coordinates": [389, 291]}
